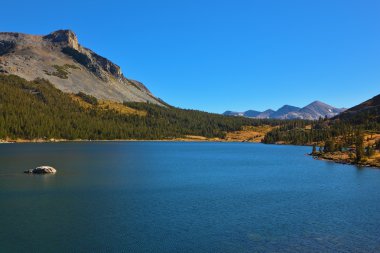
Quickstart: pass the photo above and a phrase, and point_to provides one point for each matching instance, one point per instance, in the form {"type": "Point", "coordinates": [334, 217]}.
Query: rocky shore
{"type": "Point", "coordinates": [346, 157]}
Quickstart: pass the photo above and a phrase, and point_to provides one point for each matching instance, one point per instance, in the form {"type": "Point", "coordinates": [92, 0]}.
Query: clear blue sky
{"type": "Point", "coordinates": [219, 55]}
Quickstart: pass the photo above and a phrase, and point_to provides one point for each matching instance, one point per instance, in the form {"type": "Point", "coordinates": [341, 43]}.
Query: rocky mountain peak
{"type": "Point", "coordinates": [71, 67]}
{"type": "Point", "coordinates": [98, 65]}
{"type": "Point", "coordinates": [318, 103]}
{"type": "Point", "coordinates": [66, 37]}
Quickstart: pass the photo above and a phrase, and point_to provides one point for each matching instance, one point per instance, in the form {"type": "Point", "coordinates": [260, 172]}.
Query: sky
{"type": "Point", "coordinates": [225, 55]}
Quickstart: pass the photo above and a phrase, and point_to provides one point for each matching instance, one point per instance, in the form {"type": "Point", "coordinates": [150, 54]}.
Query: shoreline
{"type": "Point", "coordinates": [322, 157]}
{"type": "Point", "coordinates": [121, 140]}
{"type": "Point", "coordinates": [338, 160]}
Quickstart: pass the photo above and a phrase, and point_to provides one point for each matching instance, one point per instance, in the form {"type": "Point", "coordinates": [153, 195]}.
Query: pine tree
{"type": "Point", "coordinates": [369, 151]}
{"type": "Point", "coordinates": [314, 151]}
{"type": "Point", "coordinates": [329, 146]}
{"type": "Point", "coordinates": [359, 147]}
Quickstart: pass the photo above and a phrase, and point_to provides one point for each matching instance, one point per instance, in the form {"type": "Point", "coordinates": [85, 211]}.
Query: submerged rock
{"type": "Point", "coordinates": [41, 170]}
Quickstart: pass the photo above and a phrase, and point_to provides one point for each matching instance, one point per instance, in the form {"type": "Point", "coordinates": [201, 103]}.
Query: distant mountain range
{"type": "Point", "coordinates": [312, 111]}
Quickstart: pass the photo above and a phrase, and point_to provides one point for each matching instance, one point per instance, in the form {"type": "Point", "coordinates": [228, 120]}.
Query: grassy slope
{"type": "Point", "coordinates": [249, 133]}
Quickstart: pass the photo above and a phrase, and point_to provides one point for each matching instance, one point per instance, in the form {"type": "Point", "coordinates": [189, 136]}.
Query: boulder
{"type": "Point", "coordinates": [42, 170]}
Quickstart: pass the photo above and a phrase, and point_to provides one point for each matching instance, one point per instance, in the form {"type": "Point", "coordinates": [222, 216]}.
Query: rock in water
{"type": "Point", "coordinates": [42, 170]}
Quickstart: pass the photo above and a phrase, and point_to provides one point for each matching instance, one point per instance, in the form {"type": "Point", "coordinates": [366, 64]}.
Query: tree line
{"type": "Point", "coordinates": [37, 110]}
{"type": "Point", "coordinates": [332, 135]}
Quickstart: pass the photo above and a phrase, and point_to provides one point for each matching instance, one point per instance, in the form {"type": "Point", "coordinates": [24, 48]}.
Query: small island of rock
{"type": "Point", "coordinates": [42, 170]}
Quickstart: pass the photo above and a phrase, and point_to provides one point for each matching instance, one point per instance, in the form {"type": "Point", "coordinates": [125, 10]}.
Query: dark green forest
{"type": "Point", "coordinates": [37, 110]}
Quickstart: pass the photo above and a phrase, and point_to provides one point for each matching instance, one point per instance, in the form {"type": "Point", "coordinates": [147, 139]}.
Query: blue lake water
{"type": "Point", "coordinates": [184, 197]}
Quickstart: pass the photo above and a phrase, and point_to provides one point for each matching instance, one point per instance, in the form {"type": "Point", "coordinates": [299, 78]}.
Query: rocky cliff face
{"type": "Point", "coordinates": [66, 38]}
{"type": "Point", "coordinates": [60, 58]}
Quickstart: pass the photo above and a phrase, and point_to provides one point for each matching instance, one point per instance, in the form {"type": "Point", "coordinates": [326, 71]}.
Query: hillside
{"type": "Point", "coordinates": [59, 58]}
{"type": "Point", "coordinates": [36, 110]}
{"type": "Point", "coordinates": [366, 112]}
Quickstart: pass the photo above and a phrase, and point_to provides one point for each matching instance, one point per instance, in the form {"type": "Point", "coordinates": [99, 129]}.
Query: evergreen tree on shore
{"type": "Point", "coordinates": [359, 147]}
{"type": "Point", "coordinates": [314, 150]}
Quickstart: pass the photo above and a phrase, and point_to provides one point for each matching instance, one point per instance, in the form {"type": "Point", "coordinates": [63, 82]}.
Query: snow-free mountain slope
{"type": "Point", "coordinates": [71, 67]}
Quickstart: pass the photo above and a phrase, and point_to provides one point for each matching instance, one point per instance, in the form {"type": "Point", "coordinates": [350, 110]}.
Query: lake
{"type": "Point", "coordinates": [184, 197]}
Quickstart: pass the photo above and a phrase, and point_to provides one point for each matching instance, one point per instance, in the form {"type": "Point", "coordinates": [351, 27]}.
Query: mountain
{"type": "Point", "coordinates": [318, 110]}
{"type": "Point", "coordinates": [284, 111]}
{"type": "Point", "coordinates": [312, 111]}
{"type": "Point", "coordinates": [231, 113]}
{"type": "Point", "coordinates": [251, 113]}
{"type": "Point", "coordinates": [368, 111]}
{"type": "Point", "coordinates": [265, 114]}
{"type": "Point", "coordinates": [365, 106]}
{"type": "Point", "coordinates": [248, 114]}
{"type": "Point", "coordinates": [59, 58]}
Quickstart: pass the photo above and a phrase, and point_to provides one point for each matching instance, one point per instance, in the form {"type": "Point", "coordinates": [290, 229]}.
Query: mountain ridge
{"type": "Point", "coordinates": [367, 111]}
{"type": "Point", "coordinates": [312, 111]}
{"type": "Point", "coordinates": [71, 67]}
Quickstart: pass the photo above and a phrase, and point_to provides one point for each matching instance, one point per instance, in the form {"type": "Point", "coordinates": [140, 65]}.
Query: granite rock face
{"type": "Point", "coordinates": [65, 37]}
{"type": "Point", "coordinates": [6, 46]}
{"type": "Point", "coordinates": [34, 56]}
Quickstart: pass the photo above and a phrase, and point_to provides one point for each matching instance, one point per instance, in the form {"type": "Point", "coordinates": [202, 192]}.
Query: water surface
{"type": "Point", "coordinates": [184, 197]}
